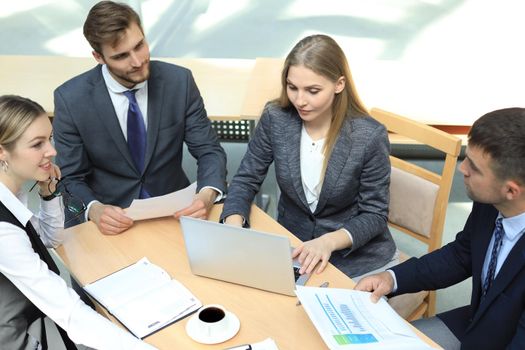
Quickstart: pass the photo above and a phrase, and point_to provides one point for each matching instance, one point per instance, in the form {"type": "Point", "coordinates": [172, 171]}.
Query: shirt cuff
{"type": "Point", "coordinates": [395, 280]}
{"type": "Point", "coordinates": [86, 215]}
{"type": "Point", "coordinates": [349, 235]}
{"type": "Point", "coordinates": [219, 193]}
{"type": "Point", "coordinates": [51, 207]}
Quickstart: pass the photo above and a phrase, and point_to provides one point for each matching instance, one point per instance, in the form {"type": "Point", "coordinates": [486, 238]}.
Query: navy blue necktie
{"type": "Point", "coordinates": [136, 135]}
{"type": "Point", "coordinates": [498, 240]}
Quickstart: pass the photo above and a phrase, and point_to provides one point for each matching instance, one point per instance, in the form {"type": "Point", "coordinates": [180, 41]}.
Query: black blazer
{"type": "Point", "coordinates": [498, 320]}
{"type": "Point", "coordinates": [92, 151]}
{"type": "Point", "coordinates": [354, 194]}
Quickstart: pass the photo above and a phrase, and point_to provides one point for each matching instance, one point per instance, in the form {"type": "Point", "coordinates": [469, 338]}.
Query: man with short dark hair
{"type": "Point", "coordinates": [490, 249]}
{"type": "Point", "coordinates": [119, 127]}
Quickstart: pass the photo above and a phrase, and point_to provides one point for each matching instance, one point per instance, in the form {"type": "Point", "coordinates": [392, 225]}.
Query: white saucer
{"type": "Point", "coordinates": [192, 328]}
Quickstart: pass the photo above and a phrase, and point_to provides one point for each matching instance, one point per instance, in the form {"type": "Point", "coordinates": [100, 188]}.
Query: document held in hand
{"type": "Point", "coordinates": [347, 319]}
{"type": "Point", "coordinates": [157, 207]}
{"type": "Point", "coordinates": [143, 297]}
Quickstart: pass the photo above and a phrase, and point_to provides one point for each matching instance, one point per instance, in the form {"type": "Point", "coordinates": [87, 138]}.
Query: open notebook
{"type": "Point", "coordinates": [143, 297]}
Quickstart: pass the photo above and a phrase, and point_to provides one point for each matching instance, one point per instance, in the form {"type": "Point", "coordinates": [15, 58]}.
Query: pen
{"type": "Point", "coordinates": [241, 347]}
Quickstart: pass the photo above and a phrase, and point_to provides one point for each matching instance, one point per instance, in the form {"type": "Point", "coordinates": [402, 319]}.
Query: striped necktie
{"type": "Point", "coordinates": [498, 240]}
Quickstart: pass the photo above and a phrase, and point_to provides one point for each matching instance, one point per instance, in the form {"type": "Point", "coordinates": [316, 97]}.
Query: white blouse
{"type": "Point", "coordinates": [46, 290]}
{"type": "Point", "coordinates": [312, 159]}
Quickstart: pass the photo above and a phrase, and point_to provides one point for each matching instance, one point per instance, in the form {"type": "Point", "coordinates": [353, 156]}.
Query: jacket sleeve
{"type": "Point", "coordinates": [442, 268]}
{"type": "Point", "coordinates": [252, 170]}
{"type": "Point", "coordinates": [72, 158]}
{"type": "Point", "coordinates": [202, 142]}
{"type": "Point", "coordinates": [373, 195]}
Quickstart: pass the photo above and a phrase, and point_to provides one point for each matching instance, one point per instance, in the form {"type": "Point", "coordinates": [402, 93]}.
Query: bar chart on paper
{"type": "Point", "coordinates": [347, 319]}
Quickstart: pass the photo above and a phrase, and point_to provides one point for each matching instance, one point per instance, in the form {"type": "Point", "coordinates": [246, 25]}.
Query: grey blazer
{"type": "Point", "coordinates": [92, 151]}
{"type": "Point", "coordinates": [354, 194]}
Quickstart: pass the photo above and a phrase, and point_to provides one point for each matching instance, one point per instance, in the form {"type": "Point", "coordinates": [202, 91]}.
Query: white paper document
{"type": "Point", "coordinates": [143, 297]}
{"type": "Point", "coordinates": [347, 319]}
{"type": "Point", "coordinates": [157, 207]}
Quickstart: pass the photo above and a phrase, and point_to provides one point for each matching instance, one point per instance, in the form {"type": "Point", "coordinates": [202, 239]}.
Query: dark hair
{"type": "Point", "coordinates": [16, 114]}
{"type": "Point", "coordinates": [321, 54]}
{"type": "Point", "coordinates": [107, 22]}
{"type": "Point", "coordinates": [501, 134]}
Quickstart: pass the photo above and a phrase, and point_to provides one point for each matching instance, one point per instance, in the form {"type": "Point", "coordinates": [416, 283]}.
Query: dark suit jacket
{"type": "Point", "coordinates": [496, 321]}
{"type": "Point", "coordinates": [92, 151]}
{"type": "Point", "coordinates": [354, 194]}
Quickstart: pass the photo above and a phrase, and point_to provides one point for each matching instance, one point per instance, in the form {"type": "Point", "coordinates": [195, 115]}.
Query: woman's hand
{"type": "Point", "coordinates": [320, 249]}
{"type": "Point", "coordinates": [234, 220]}
{"type": "Point", "coordinates": [47, 187]}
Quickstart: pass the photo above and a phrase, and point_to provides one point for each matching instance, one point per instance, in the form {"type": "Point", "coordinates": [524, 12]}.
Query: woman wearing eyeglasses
{"type": "Point", "coordinates": [30, 288]}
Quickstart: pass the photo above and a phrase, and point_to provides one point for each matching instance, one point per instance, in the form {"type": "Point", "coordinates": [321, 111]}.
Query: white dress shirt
{"type": "Point", "coordinates": [312, 160]}
{"type": "Point", "coordinates": [45, 289]}
{"type": "Point", "coordinates": [121, 102]}
{"type": "Point", "coordinates": [514, 228]}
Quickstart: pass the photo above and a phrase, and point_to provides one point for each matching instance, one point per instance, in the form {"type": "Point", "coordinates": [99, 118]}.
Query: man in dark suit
{"type": "Point", "coordinates": [119, 127]}
{"type": "Point", "coordinates": [490, 249]}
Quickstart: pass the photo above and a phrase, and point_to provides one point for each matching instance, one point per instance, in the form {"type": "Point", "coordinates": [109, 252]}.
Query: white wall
{"type": "Point", "coordinates": [435, 60]}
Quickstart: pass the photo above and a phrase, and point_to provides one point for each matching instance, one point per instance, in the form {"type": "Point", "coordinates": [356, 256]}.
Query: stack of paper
{"type": "Point", "coordinates": [347, 319]}
{"type": "Point", "coordinates": [143, 297]}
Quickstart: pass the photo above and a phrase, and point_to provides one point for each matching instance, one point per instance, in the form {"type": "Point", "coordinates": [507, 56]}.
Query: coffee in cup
{"type": "Point", "coordinates": [211, 314]}
{"type": "Point", "coordinates": [212, 320]}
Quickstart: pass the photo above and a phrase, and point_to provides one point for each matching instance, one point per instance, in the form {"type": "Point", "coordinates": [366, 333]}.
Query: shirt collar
{"type": "Point", "coordinates": [15, 206]}
{"type": "Point", "coordinates": [115, 86]}
{"type": "Point", "coordinates": [514, 226]}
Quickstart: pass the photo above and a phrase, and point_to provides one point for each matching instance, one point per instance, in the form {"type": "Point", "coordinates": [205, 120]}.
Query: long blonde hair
{"type": "Point", "coordinates": [321, 54]}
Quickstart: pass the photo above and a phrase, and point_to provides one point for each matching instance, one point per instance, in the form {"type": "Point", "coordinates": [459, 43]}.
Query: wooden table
{"type": "Point", "coordinates": [89, 255]}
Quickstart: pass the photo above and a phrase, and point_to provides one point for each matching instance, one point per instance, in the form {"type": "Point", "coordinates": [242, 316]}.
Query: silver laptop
{"type": "Point", "coordinates": [244, 256]}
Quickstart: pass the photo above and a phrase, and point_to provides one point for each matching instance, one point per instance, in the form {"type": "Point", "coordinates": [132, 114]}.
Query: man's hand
{"type": "Point", "coordinates": [379, 284]}
{"type": "Point", "coordinates": [201, 206]}
{"type": "Point", "coordinates": [109, 219]}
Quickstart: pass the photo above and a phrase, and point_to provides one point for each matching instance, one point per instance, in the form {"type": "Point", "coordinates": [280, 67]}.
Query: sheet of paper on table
{"type": "Point", "coordinates": [157, 207]}
{"type": "Point", "coordinates": [347, 319]}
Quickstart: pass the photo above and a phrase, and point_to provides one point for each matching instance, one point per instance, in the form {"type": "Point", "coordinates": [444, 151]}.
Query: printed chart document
{"type": "Point", "coordinates": [157, 207]}
{"type": "Point", "coordinates": [347, 319]}
{"type": "Point", "coordinates": [143, 297]}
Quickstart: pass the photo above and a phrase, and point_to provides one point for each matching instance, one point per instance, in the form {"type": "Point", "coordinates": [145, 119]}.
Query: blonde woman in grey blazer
{"type": "Point", "coordinates": [331, 162]}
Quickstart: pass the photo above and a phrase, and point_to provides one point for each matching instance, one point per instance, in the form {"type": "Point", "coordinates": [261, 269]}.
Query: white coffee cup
{"type": "Point", "coordinates": [212, 320]}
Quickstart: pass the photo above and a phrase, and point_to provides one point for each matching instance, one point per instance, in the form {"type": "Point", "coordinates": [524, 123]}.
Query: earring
{"type": "Point", "coordinates": [5, 165]}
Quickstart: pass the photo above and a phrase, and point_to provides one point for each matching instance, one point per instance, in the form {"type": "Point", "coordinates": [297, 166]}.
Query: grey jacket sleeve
{"type": "Point", "coordinates": [252, 170]}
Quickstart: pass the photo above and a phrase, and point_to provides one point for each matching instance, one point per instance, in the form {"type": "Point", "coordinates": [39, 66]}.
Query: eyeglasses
{"type": "Point", "coordinates": [73, 204]}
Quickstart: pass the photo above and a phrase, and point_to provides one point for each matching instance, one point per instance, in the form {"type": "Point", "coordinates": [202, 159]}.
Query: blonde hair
{"type": "Point", "coordinates": [321, 54]}
{"type": "Point", "coordinates": [16, 114]}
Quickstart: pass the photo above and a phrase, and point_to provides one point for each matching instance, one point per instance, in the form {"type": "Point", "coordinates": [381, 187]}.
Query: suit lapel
{"type": "Point", "coordinates": [106, 115]}
{"type": "Point", "coordinates": [514, 263]}
{"type": "Point", "coordinates": [293, 144]}
{"type": "Point", "coordinates": [480, 244]}
{"type": "Point", "coordinates": [335, 165]}
{"type": "Point", "coordinates": [155, 104]}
